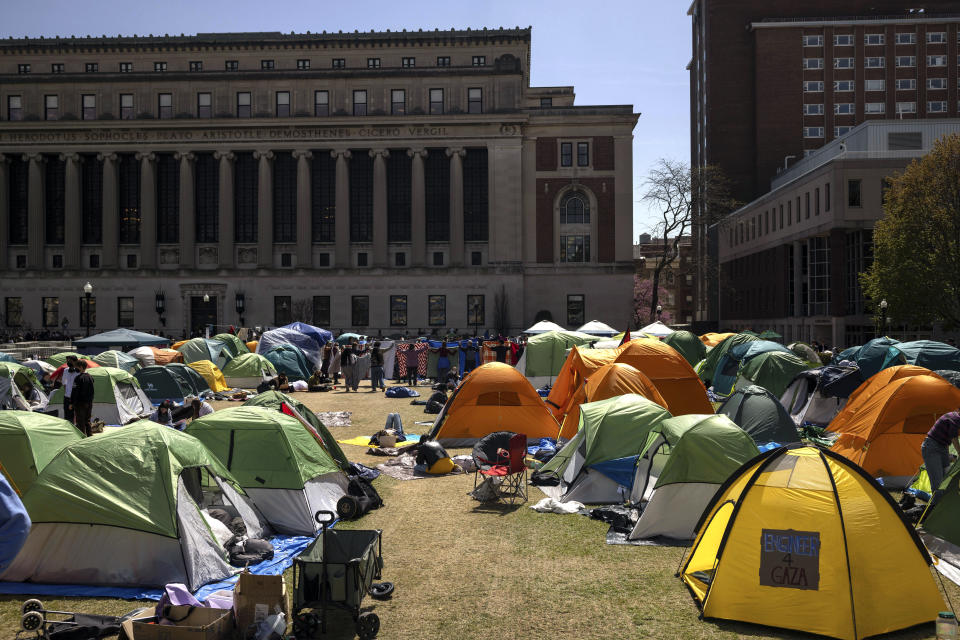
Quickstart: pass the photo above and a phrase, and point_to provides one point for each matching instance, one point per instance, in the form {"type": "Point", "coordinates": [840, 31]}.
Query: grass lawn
{"type": "Point", "coordinates": [464, 570]}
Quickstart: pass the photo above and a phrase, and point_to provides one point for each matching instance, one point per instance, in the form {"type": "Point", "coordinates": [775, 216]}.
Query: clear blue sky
{"type": "Point", "coordinates": [612, 51]}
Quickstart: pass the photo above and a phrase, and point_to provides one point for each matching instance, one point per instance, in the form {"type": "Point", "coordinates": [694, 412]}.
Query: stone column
{"type": "Point", "coordinates": [798, 282]}
{"type": "Point", "coordinates": [72, 231]}
{"type": "Point", "coordinates": [148, 209]}
{"type": "Point", "coordinates": [111, 215]}
{"type": "Point", "coordinates": [456, 205]}
{"type": "Point", "coordinates": [4, 212]}
{"type": "Point", "coordinates": [418, 210]}
{"type": "Point", "coordinates": [380, 253]}
{"type": "Point", "coordinates": [36, 210]}
{"type": "Point", "coordinates": [264, 209]}
{"type": "Point", "coordinates": [342, 222]}
{"type": "Point", "coordinates": [188, 210]}
{"type": "Point", "coordinates": [304, 209]}
{"type": "Point", "coordinates": [225, 212]}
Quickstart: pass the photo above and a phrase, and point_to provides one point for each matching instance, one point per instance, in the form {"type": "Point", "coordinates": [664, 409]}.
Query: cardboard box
{"type": "Point", "coordinates": [257, 597]}
{"type": "Point", "coordinates": [199, 624]}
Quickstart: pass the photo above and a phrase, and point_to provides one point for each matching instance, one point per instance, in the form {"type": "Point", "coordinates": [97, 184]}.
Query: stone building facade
{"type": "Point", "coordinates": [385, 182]}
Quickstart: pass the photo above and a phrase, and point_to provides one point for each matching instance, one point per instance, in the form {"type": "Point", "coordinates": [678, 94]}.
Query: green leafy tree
{"type": "Point", "coordinates": [916, 265]}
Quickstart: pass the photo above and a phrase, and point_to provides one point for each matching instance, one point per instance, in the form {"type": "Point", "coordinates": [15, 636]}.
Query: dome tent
{"type": "Point", "coordinates": [673, 376]}
{"type": "Point", "coordinates": [248, 371]}
{"type": "Point", "coordinates": [14, 378]}
{"type": "Point", "coordinates": [282, 466]}
{"type": "Point", "coordinates": [860, 397]}
{"type": "Point", "coordinates": [307, 343]}
{"type": "Point", "coordinates": [59, 359]}
{"type": "Point", "coordinates": [232, 343]}
{"type": "Point", "coordinates": [289, 360]}
{"type": "Point", "coordinates": [131, 499]}
{"type": "Point", "coordinates": [117, 397]}
{"type": "Point", "coordinates": [546, 353]}
{"type": "Point", "coordinates": [320, 336]}
{"type": "Point", "coordinates": [688, 345]}
{"type": "Point", "coordinates": [198, 349]}
{"type": "Point", "coordinates": [117, 360]}
{"type": "Point", "coordinates": [728, 366]}
{"type": "Point", "coordinates": [277, 399]}
{"type": "Point", "coordinates": [161, 383]}
{"type": "Point", "coordinates": [760, 414]}
{"type": "Point", "coordinates": [816, 396]}
{"type": "Point", "coordinates": [28, 442]}
{"type": "Point", "coordinates": [211, 374]}
{"type": "Point", "coordinates": [189, 377]}
{"type": "Point", "coordinates": [772, 370]}
{"type": "Point", "coordinates": [581, 362]}
{"type": "Point", "coordinates": [707, 368]}
{"type": "Point", "coordinates": [155, 355]}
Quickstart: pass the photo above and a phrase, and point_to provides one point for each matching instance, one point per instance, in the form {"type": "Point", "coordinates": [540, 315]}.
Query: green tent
{"type": "Point", "coordinates": [233, 343]}
{"type": "Point", "coordinates": [160, 383]}
{"type": "Point", "coordinates": [14, 378]}
{"type": "Point", "coordinates": [117, 397]}
{"type": "Point", "coordinates": [805, 352]}
{"type": "Point", "coordinates": [760, 414]}
{"type": "Point", "coordinates": [942, 519]}
{"type": "Point", "coordinates": [597, 464]}
{"type": "Point", "coordinates": [545, 353]}
{"type": "Point", "coordinates": [28, 441]}
{"type": "Point", "coordinates": [117, 360]}
{"type": "Point", "coordinates": [708, 366]}
{"type": "Point", "coordinates": [289, 359]}
{"type": "Point", "coordinates": [198, 349]}
{"type": "Point", "coordinates": [684, 462]}
{"type": "Point", "coordinates": [772, 370]}
{"type": "Point", "coordinates": [248, 371]}
{"type": "Point", "coordinates": [281, 464]}
{"type": "Point", "coordinates": [190, 376]}
{"type": "Point", "coordinates": [688, 344]}
{"type": "Point", "coordinates": [58, 359]}
{"type": "Point", "coordinates": [130, 499]}
{"type": "Point", "coordinates": [276, 399]}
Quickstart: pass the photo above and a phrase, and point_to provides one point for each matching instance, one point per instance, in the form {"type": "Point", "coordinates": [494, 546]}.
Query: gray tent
{"type": "Point", "coordinates": [759, 413]}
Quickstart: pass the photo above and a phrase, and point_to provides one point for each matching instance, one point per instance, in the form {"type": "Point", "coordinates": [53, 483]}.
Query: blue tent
{"type": "Point", "coordinates": [320, 336]}
{"type": "Point", "coordinates": [877, 355]}
{"type": "Point", "coordinates": [119, 339]}
{"type": "Point", "coordinates": [286, 336]}
{"type": "Point", "coordinates": [288, 359]}
{"type": "Point", "coordinates": [930, 354]}
{"type": "Point", "coordinates": [728, 367]}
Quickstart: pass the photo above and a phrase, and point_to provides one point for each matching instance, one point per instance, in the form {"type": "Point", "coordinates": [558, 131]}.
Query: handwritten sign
{"type": "Point", "coordinates": [790, 559]}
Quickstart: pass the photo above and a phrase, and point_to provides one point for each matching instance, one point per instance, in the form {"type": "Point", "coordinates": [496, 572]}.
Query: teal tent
{"type": "Point", "coordinates": [707, 367]}
{"type": "Point", "coordinates": [161, 383]}
{"type": "Point", "coordinates": [290, 360]}
{"type": "Point", "coordinates": [930, 354]}
{"type": "Point", "coordinates": [120, 339]}
{"type": "Point", "coordinates": [189, 377]}
{"type": "Point", "coordinates": [117, 360]}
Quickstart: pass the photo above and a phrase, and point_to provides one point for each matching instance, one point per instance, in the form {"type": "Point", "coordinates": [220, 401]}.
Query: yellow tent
{"type": "Point", "coordinates": [211, 373]}
{"type": "Point", "coordinates": [713, 339]}
{"type": "Point", "coordinates": [802, 539]}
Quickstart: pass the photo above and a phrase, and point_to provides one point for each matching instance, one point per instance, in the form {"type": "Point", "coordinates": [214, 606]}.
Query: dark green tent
{"type": "Point", "coordinates": [160, 383]}
{"type": "Point", "coordinates": [273, 400]}
{"type": "Point", "coordinates": [760, 414]}
{"type": "Point", "coordinates": [942, 519]}
{"type": "Point", "coordinates": [196, 381]}
{"type": "Point", "coordinates": [688, 344]}
{"type": "Point", "coordinates": [707, 368]}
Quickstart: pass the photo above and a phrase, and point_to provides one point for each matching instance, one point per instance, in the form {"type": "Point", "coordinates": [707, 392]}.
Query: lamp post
{"type": "Point", "coordinates": [883, 317]}
{"type": "Point", "coordinates": [659, 311]}
{"type": "Point", "coordinates": [160, 304]}
{"type": "Point", "coordinates": [87, 290]}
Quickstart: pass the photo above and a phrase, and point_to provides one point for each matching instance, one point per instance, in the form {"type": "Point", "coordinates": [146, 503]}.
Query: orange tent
{"type": "Point", "coordinates": [166, 356]}
{"type": "Point", "coordinates": [877, 382]}
{"type": "Point", "coordinates": [713, 339]}
{"type": "Point", "coordinates": [493, 397]}
{"type": "Point", "coordinates": [673, 376]}
{"type": "Point", "coordinates": [579, 365]}
{"type": "Point", "coordinates": [609, 381]}
{"type": "Point", "coordinates": [885, 433]}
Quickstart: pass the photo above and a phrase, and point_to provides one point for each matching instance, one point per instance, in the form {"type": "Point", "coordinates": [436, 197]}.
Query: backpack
{"type": "Point", "coordinates": [361, 498]}
{"type": "Point", "coordinates": [436, 402]}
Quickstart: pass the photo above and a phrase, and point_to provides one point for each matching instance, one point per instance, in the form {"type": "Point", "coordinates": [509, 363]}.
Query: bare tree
{"type": "Point", "coordinates": [302, 310]}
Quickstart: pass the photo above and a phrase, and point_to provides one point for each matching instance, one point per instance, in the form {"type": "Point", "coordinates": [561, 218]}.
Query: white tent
{"type": "Point", "coordinates": [657, 329]}
{"type": "Point", "coordinates": [597, 328]}
{"type": "Point", "coordinates": [543, 327]}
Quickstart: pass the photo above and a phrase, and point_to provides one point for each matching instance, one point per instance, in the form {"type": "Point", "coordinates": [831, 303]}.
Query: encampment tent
{"type": "Point", "coordinates": [804, 351]}
{"type": "Point", "coordinates": [688, 345]}
{"type": "Point", "coordinates": [580, 363]}
{"type": "Point", "coordinates": [248, 371]}
{"type": "Point", "coordinates": [191, 376]}
{"type": "Point", "coordinates": [760, 414]}
{"type": "Point", "coordinates": [155, 355]}
{"type": "Point", "coordinates": [707, 368]}
{"type": "Point", "coordinates": [597, 328]}
{"type": "Point", "coordinates": [276, 400]}
{"type": "Point", "coordinates": [124, 339]}
{"type": "Point", "coordinates": [657, 329]}
{"type": "Point", "coordinates": [597, 465]}
{"type": "Point", "coordinates": [493, 397]}
{"type": "Point", "coordinates": [772, 370]}
{"type": "Point", "coordinates": [288, 359]}
{"type": "Point", "coordinates": [816, 396]}
{"type": "Point", "coordinates": [117, 360]}
{"type": "Point", "coordinates": [876, 355]}
{"type": "Point", "coordinates": [546, 353]}
{"type": "Point", "coordinates": [211, 374]}
{"type": "Point", "coordinates": [711, 339]}
{"type": "Point", "coordinates": [307, 343]}
{"type": "Point", "coordinates": [320, 336]}
{"type": "Point", "coordinates": [860, 397]}
{"type": "Point", "coordinates": [133, 500]}
{"type": "Point", "coordinates": [198, 349]}
{"type": "Point", "coordinates": [802, 539]}
{"type": "Point", "coordinates": [940, 524]}
{"type": "Point", "coordinates": [161, 383]}
{"type": "Point", "coordinates": [117, 397]}
{"type": "Point", "coordinates": [930, 354]}
{"type": "Point", "coordinates": [14, 378]}
{"type": "Point", "coordinates": [543, 327]}
{"type": "Point", "coordinates": [233, 343]}
{"type": "Point", "coordinates": [6, 357]}
{"type": "Point", "coordinates": [59, 359]}
{"type": "Point", "coordinates": [675, 379]}
{"type": "Point", "coordinates": [681, 467]}
{"type": "Point", "coordinates": [28, 441]}
{"type": "Point", "coordinates": [728, 366]}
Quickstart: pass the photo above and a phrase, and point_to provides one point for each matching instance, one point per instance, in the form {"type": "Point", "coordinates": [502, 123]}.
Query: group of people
{"type": "Point", "coordinates": [78, 394]}
{"type": "Point", "coordinates": [178, 417]}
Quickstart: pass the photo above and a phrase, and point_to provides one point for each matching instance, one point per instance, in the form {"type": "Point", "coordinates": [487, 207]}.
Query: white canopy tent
{"type": "Point", "coordinates": [657, 329]}
{"type": "Point", "coordinates": [597, 328]}
{"type": "Point", "coordinates": [543, 327]}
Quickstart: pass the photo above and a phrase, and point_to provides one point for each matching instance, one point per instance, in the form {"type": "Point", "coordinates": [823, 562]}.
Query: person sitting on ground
{"type": "Point", "coordinates": [163, 414]}
{"type": "Point", "coordinates": [452, 379]}
{"type": "Point", "coordinates": [315, 381]}
{"type": "Point", "coordinates": [282, 383]}
{"type": "Point", "coordinates": [200, 408]}
{"type": "Point", "coordinates": [32, 396]}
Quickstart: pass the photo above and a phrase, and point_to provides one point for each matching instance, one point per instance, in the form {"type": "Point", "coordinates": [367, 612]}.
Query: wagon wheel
{"type": "Point", "coordinates": [31, 605]}
{"type": "Point", "coordinates": [368, 625]}
{"type": "Point", "coordinates": [33, 620]}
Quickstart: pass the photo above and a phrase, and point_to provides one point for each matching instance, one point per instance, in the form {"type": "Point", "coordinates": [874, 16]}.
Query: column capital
{"type": "Point", "coordinates": [34, 157]}
{"type": "Point", "coordinates": [223, 155]}
{"type": "Point", "coordinates": [184, 155]}
{"type": "Point", "coordinates": [417, 151]}
{"type": "Point", "coordinates": [70, 156]}
{"type": "Point", "coordinates": [340, 153]}
{"type": "Point", "coordinates": [382, 153]}
{"type": "Point", "coordinates": [263, 155]}
{"type": "Point", "coordinates": [302, 153]}
{"type": "Point", "coordinates": [106, 156]}
{"type": "Point", "coordinates": [456, 151]}
{"type": "Point", "coordinates": [148, 156]}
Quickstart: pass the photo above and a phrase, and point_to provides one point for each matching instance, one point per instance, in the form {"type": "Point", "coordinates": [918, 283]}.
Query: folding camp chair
{"type": "Point", "coordinates": [511, 469]}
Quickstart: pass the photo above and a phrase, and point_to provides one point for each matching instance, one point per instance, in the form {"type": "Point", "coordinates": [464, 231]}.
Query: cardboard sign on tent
{"type": "Point", "coordinates": [211, 374]}
{"type": "Point", "coordinates": [117, 397]}
{"type": "Point", "coordinates": [802, 539]}
{"type": "Point", "coordinates": [131, 500]}
{"type": "Point", "coordinates": [28, 442]}
{"type": "Point", "coordinates": [760, 414]}
{"type": "Point", "coordinates": [610, 380]}
{"type": "Point", "coordinates": [248, 371]}
{"type": "Point", "coordinates": [493, 397]}
{"type": "Point", "coordinates": [673, 376]}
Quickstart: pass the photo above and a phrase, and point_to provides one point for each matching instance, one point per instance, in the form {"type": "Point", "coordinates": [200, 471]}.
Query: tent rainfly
{"type": "Point", "coordinates": [248, 371]}
{"type": "Point", "coordinates": [14, 378]}
{"type": "Point", "coordinates": [546, 353]}
{"type": "Point", "coordinates": [657, 329]}
{"type": "Point", "coordinates": [117, 360]}
{"type": "Point", "coordinates": [760, 414]}
{"type": "Point", "coordinates": [211, 374]}
{"type": "Point", "coordinates": [198, 349]}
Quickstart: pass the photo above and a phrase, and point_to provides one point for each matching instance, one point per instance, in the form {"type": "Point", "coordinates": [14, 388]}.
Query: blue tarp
{"type": "Point", "coordinates": [620, 470]}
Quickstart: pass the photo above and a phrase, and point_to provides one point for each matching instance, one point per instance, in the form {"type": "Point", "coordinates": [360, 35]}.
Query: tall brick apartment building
{"type": "Point", "coordinates": [773, 80]}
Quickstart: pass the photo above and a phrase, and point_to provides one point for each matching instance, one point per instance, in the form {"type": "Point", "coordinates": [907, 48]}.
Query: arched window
{"type": "Point", "coordinates": [575, 228]}
{"type": "Point", "coordinates": [575, 209]}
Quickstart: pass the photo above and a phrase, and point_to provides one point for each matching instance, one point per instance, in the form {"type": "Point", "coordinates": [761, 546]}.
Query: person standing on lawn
{"type": "Point", "coordinates": [376, 368]}
{"type": "Point", "coordinates": [66, 379]}
{"type": "Point", "coordinates": [82, 398]}
{"type": "Point", "coordinates": [936, 450]}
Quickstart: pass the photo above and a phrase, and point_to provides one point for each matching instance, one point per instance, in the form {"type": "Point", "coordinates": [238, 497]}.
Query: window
{"type": "Point", "coordinates": [196, 65]}
{"type": "Point", "coordinates": [438, 258]}
{"type": "Point", "coordinates": [360, 102]}
{"type": "Point", "coordinates": [321, 310]}
{"type": "Point", "coordinates": [813, 109]}
{"type": "Point", "coordinates": [204, 105]}
{"type": "Point", "coordinates": [373, 63]}
{"type": "Point", "coordinates": [874, 107]}
{"type": "Point", "coordinates": [267, 65]}
{"type": "Point", "coordinates": [362, 259]}
{"type": "Point", "coordinates": [874, 85]}
{"type": "Point", "coordinates": [937, 107]}
{"type": "Point", "coordinates": [126, 67]}
{"type": "Point", "coordinates": [874, 62]}
{"type": "Point", "coordinates": [844, 108]}
{"type": "Point", "coordinates": [476, 258]}
{"type": "Point", "coordinates": [286, 259]}
{"type": "Point", "coordinates": [51, 312]}
{"type": "Point", "coordinates": [303, 64]}
{"type": "Point", "coordinates": [282, 312]}
{"type": "Point", "coordinates": [94, 260]}
{"type": "Point", "coordinates": [128, 199]}
{"type": "Point", "coordinates": [400, 259]}
{"type": "Point", "coordinates": [843, 40]}
{"type": "Point", "coordinates": [437, 311]}
{"type": "Point", "coordinates": [813, 86]}
{"type": "Point", "coordinates": [243, 104]}
{"type": "Point", "coordinates": [88, 310]}
{"type": "Point", "coordinates": [231, 65]}
{"type": "Point", "coordinates": [323, 260]}
{"type": "Point", "coordinates": [165, 106]}
{"type": "Point", "coordinates": [476, 314]}
{"type": "Point", "coordinates": [841, 131]}
{"type": "Point", "coordinates": [126, 106]}
{"type": "Point", "coordinates": [14, 108]}
{"type": "Point", "coordinates": [56, 67]}
{"type": "Point", "coordinates": [906, 38]}
{"type": "Point", "coordinates": [575, 310]}
{"type": "Point", "coordinates": [125, 312]}
{"type": "Point", "coordinates": [479, 61]}
{"type": "Point", "coordinates": [906, 84]}
{"type": "Point", "coordinates": [321, 103]}
{"type": "Point", "coordinates": [936, 61]}
{"type": "Point", "coordinates": [408, 63]}
{"type": "Point", "coordinates": [853, 193]}
{"type": "Point", "coordinates": [575, 248]}
{"type": "Point", "coordinates": [436, 101]}
{"type": "Point", "coordinates": [398, 311]}
{"type": "Point", "coordinates": [583, 154]}
{"type": "Point", "coordinates": [23, 68]}
{"type": "Point", "coordinates": [475, 100]}
{"type": "Point", "coordinates": [14, 312]}
{"type": "Point", "coordinates": [21, 261]}
{"type": "Point", "coordinates": [338, 63]}
{"type": "Point", "coordinates": [816, 201]}
{"type": "Point", "coordinates": [88, 107]}
{"type": "Point", "coordinates": [817, 63]}
{"type": "Point", "coordinates": [841, 86]}
{"type": "Point", "coordinates": [442, 61]}
{"type": "Point", "coordinates": [813, 132]}
{"type": "Point", "coordinates": [806, 205]}
{"type": "Point", "coordinates": [58, 261]}
{"type": "Point", "coordinates": [283, 104]}
{"type": "Point", "coordinates": [906, 61]}
{"type": "Point", "coordinates": [51, 107]}
{"type": "Point", "coordinates": [360, 311]}
{"type": "Point", "coordinates": [566, 154]}
{"type": "Point", "coordinates": [398, 102]}
{"type": "Point", "coordinates": [936, 83]}
{"type": "Point", "coordinates": [826, 197]}
{"type": "Point", "coordinates": [906, 107]}
{"type": "Point", "coordinates": [936, 37]}
{"type": "Point", "coordinates": [813, 41]}
{"type": "Point", "coordinates": [91, 67]}
{"type": "Point", "coordinates": [159, 66]}
{"type": "Point", "coordinates": [838, 63]}
{"type": "Point", "coordinates": [874, 38]}
{"type": "Point", "coordinates": [546, 102]}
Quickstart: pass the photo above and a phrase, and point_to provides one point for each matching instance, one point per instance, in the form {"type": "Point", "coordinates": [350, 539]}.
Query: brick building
{"type": "Point", "coordinates": [677, 279]}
